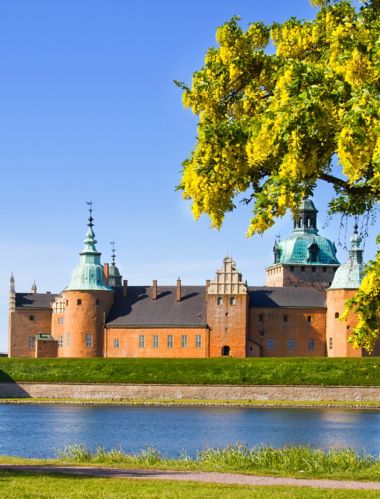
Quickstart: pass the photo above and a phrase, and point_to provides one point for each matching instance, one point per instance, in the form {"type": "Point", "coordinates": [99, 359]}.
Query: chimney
{"type": "Point", "coordinates": [125, 288]}
{"type": "Point", "coordinates": [153, 290]}
{"type": "Point", "coordinates": [106, 272]}
{"type": "Point", "coordinates": [178, 290]}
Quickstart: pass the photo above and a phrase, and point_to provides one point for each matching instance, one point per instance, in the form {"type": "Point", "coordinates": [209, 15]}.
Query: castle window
{"type": "Point", "coordinates": [219, 300]}
{"type": "Point", "coordinates": [336, 315]}
{"type": "Point", "coordinates": [116, 343]}
{"type": "Point", "coordinates": [31, 317]}
{"type": "Point", "coordinates": [67, 302]}
{"type": "Point", "coordinates": [313, 269]}
{"type": "Point", "coordinates": [324, 269]}
{"type": "Point", "coordinates": [79, 302]}
{"type": "Point", "coordinates": [60, 341]}
{"type": "Point", "coordinates": [311, 345]}
{"type": "Point", "coordinates": [60, 320]}
{"type": "Point", "coordinates": [198, 341]}
{"type": "Point", "coordinates": [68, 340]}
{"type": "Point", "coordinates": [270, 344]}
{"type": "Point", "coordinates": [348, 327]}
{"type": "Point", "coordinates": [98, 302]}
{"type": "Point", "coordinates": [285, 318]}
{"type": "Point", "coordinates": [302, 269]}
{"type": "Point", "coordinates": [32, 342]}
{"type": "Point", "coordinates": [261, 318]}
{"type": "Point", "coordinates": [169, 341]}
{"type": "Point", "coordinates": [184, 341]}
{"type": "Point", "coordinates": [226, 351]}
{"type": "Point", "coordinates": [141, 341]}
{"type": "Point", "coordinates": [309, 318]}
{"type": "Point", "coordinates": [155, 341]}
{"type": "Point", "coordinates": [330, 343]}
{"type": "Point", "coordinates": [291, 344]}
{"type": "Point", "coordinates": [88, 340]}
{"type": "Point", "coordinates": [292, 268]}
{"type": "Point", "coordinates": [232, 300]}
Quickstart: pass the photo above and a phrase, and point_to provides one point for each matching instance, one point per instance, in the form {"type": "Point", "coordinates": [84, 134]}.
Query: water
{"type": "Point", "coordinates": [39, 430]}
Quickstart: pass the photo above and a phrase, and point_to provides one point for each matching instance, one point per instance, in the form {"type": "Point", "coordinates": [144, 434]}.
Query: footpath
{"type": "Point", "coordinates": [210, 477]}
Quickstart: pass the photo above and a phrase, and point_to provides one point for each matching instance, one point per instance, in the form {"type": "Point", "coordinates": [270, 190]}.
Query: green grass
{"type": "Point", "coordinates": [268, 371]}
{"type": "Point", "coordinates": [28, 485]}
{"type": "Point", "coordinates": [298, 462]}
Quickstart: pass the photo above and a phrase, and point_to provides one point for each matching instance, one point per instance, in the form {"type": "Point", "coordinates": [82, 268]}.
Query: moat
{"type": "Point", "coordinates": [40, 430]}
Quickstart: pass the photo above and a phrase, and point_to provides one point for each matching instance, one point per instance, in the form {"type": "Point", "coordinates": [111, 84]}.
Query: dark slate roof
{"type": "Point", "coordinates": [291, 297]}
{"type": "Point", "coordinates": [34, 300]}
{"type": "Point", "coordinates": [138, 309]}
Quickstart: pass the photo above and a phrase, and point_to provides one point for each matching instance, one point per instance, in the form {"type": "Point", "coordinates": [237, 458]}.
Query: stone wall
{"type": "Point", "coordinates": [195, 392]}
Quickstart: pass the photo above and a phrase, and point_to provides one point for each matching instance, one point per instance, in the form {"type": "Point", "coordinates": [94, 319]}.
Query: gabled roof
{"type": "Point", "coordinates": [291, 297]}
{"type": "Point", "coordinates": [34, 300]}
{"type": "Point", "coordinates": [138, 309]}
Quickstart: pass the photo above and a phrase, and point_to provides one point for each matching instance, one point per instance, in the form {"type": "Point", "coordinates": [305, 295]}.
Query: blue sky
{"type": "Point", "coordinates": [89, 110]}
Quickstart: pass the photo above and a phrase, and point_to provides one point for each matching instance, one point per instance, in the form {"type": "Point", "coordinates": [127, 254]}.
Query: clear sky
{"type": "Point", "coordinates": [89, 110]}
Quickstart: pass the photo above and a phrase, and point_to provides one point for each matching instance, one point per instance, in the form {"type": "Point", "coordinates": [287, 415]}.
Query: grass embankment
{"type": "Point", "coordinates": [27, 485]}
{"type": "Point", "coordinates": [297, 462]}
{"type": "Point", "coordinates": [269, 371]}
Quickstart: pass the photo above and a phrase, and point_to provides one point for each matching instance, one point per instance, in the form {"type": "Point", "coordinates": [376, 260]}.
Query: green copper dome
{"type": "Point", "coordinates": [304, 245]}
{"type": "Point", "coordinates": [350, 274]}
{"type": "Point", "coordinates": [88, 275]}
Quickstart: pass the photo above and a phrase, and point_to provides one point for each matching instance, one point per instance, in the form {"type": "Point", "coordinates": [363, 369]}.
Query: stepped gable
{"type": "Point", "coordinates": [138, 309]}
{"type": "Point", "coordinates": [35, 300]}
{"type": "Point", "coordinates": [287, 297]}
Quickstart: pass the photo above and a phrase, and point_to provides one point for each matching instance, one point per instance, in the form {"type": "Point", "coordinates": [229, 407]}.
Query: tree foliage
{"type": "Point", "coordinates": [272, 122]}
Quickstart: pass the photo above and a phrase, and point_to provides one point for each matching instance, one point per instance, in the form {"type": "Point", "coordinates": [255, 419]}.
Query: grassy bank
{"type": "Point", "coordinates": [298, 462]}
{"type": "Point", "coordinates": [270, 371]}
{"type": "Point", "coordinates": [27, 485]}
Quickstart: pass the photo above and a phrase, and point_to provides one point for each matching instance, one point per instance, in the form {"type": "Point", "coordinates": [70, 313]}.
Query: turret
{"type": "Point", "coordinates": [114, 277]}
{"type": "Point", "coordinates": [88, 300]}
{"type": "Point", "coordinates": [346, 281]}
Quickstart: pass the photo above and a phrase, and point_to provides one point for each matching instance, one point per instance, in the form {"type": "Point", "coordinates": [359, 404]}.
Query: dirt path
{"type": "Point", "coordinates": [198, 476]}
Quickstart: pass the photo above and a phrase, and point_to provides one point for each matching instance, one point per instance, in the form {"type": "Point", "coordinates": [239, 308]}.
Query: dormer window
{"type": "Point", "coordinates": [313, 251]}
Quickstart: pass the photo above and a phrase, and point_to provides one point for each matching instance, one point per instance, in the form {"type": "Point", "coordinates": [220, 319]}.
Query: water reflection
{"type": "Point", "coordinates": [39, 430]}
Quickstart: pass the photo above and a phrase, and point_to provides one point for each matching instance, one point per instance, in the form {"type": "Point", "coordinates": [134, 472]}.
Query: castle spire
{"type": "Point", "coordinates": [113, 253]}
{"type": "Point", "coordinates": [306, 221]}
{"type": "Point", "coordinates": [34, 287]}
{"type": "Point", "coordinates": [356, 251]}
{"type": "Point", "coordinates": [12, 288]}
{"type": "Point", "coordinates": [12, 294]}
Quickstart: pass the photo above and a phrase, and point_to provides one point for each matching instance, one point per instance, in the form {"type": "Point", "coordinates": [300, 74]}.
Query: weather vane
{"type": "Point", "coordinates": [113, 252]}
{"type": "Point", "coordinates": [90, 219]}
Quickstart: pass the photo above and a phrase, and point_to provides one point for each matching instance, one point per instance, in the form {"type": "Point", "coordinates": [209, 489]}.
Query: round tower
{"type": "Point", "coordinates": [346, 281]}
{"type": "Point", "coordinates": [87, 301]}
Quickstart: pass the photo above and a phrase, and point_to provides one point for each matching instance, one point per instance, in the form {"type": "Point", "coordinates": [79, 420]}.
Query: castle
{"type": "Point", "coordinates": [296, 314]}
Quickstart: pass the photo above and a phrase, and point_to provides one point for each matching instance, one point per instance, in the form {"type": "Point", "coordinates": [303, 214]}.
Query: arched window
{"type": "Point", "coordinates": [226, 351]}
{"type": "Point", "coordinates": [232, 300]}
{"type": "Point", "coordinates": [219, 300]}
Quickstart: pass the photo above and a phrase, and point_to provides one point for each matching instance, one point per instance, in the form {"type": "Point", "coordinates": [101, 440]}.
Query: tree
{"type": "Point", "coordinates": [271, 124]}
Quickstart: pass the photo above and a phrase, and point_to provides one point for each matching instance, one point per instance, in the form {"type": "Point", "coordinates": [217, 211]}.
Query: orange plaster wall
{"type": "Point", "coordinates": [21, 327]}
{"type": "Point", "coordinates": [228, 324]}
{"type": "Point", "coordinates": [129, 342]}
{"type": "Point", "coordinates": [295, 328]}
{"type": "Point", "coordinates": [86, 318]}
{"type": "Point", "coordinates": [339, 330]}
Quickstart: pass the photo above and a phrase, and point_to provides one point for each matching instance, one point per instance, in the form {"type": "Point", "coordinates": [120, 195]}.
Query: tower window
{"type": "Point", "coordinates": [88, 340]}
{"type": "Point", "coordinates": [79, 302]}
{"type": "Point", "coordinates": [198, 341]}
{"type": "Point", "coordinates": [32, 342]}
{"type": "Point", "coordinates": [31, 317]}
{"type": "Point", "coordinates": [60, 320]}
{"type": "Point", "coordinates": [60, 341]}
{"type": "Point", "coordinates": [116, 343]}
{"type": "Point", "coordinates": [313, 269]}
{"type": "Point", "coordinates": [98, 302]}
{"type": "Point", "coordinates": [232, 300]}
{"type": "Point", "coordinates": [285, 318]}
{"type": "Point", "coordinates": [219, 300]}
{"type": "Point", "coordinates": [141, 341]}
{"type": "Point", "coordinates": [311, 345]}
{"type": "Point", "coordinates": [309, 318]}
{"type": "Point", "coordinates": [68, 340]}
{"type": "Point", "coordinates": [302, 269]}
{"type": "Point", "coordinates": [336, 315]}
{"type": "Point", "coordinates": [261, 318]}
{"type": "Point", "coordinates": [291, 344]}
{"type": "Point", "coordinates": [292, 268]}
{"type": "Point", "coordinates": [324, 269]}
{"type": "Point", "coordinates": [155, 341]}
